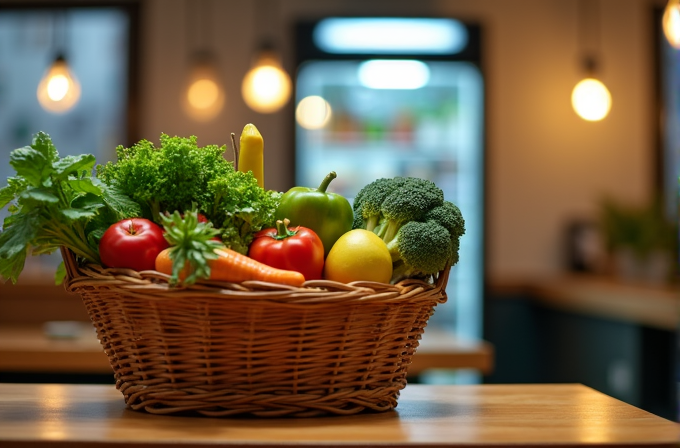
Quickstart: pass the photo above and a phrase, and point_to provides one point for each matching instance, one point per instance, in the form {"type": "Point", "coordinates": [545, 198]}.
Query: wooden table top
{"type": "Point", "coordinates": [436, 416]}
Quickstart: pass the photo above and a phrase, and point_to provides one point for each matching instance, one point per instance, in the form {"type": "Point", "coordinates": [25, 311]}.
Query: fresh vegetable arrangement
{"type": "Point", "coordinates": [188, 212]}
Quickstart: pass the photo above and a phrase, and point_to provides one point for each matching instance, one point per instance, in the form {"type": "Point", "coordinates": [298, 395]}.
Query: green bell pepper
{"type": "Point", "coordinates": [329, 215]}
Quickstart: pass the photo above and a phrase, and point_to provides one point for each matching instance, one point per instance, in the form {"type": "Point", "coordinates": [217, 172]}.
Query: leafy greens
{"type": "Point", "coordinates": [179, 173]}
{"type": "Point", "coordinates": [55, 202]}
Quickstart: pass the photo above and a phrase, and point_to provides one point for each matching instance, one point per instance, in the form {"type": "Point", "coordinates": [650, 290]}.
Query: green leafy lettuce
{"type": "Point", "coordinates": [179, 173]}
{"type": "Point", "coordinates": [55, 202]}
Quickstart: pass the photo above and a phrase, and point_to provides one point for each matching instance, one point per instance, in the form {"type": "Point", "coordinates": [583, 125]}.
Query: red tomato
{"type": "Point", "coordinates": [132, 243]}
{"type": "Point", "coordinates": [293, 248]}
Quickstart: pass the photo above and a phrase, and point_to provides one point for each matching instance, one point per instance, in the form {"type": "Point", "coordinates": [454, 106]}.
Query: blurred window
{"type": "Point", "coordinates": [96, 44]}
{"type": "Point", "coordinates": [669, 154]}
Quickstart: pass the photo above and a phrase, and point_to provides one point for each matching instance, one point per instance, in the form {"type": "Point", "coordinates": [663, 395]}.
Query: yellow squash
{"type": "Point", "coordinates": [251, 153]}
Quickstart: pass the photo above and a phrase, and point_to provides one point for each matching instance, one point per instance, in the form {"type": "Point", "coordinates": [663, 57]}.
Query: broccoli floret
{"type": "Point", "coordinates": [421, 230]}
{"type": "Point", "coordinates": [358, 222]}
{"type": "Point", "coordinates": [448, 215]}
{"type": "Point", "coordinates": [409, 202]}
{"type": "Point", "coordinates": [420, 249]}
{"type": "Point", "coordinates": [368, 202]}
{"type": "Point", "coordinates": [455, 248]}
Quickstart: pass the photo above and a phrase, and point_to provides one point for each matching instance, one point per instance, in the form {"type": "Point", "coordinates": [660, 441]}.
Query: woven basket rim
{"type": "Point", "coordinates": [153, 284]}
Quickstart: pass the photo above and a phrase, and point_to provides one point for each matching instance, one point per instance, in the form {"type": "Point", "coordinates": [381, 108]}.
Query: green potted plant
{"type": "Point", "coordinates": [640, 239]}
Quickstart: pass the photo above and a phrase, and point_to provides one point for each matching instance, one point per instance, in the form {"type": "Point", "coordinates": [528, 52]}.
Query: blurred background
{"type": "Point", "coordinates": [568, 268]}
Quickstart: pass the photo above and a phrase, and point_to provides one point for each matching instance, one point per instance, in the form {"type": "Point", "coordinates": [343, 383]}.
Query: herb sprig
{"type": "Point", "coordinates": [191, 245]}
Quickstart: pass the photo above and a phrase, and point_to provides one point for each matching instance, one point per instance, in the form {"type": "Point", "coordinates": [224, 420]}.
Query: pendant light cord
{"type": "Point", "coordinates": [204, 13]}
{"type": "Point", "coordinates": [589, 34]}
{"type": "Point", "coordinates": [198, 29]}
{"type": "Point", "coordinates": [59, 34]}
{"type": "Point", "coordinates": [264, 18]}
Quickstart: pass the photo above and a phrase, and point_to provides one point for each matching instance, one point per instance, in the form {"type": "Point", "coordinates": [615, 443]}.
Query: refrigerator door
{"type": "Point", "coordinates": [433, 131]}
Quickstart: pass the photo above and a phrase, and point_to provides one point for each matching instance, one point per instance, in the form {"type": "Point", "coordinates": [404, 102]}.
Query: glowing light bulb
{"type": "Point", "coordinates": [57, 87]}
{"type": "Point", "coordinates": [203, 98]}
{"type": "Point", "coordinates": [203, 94]}
{"type": "Point", "coordinates": [591, 99]}
{"type": "Point", "coordinates": [313, 112]}
{"type": "Point", "coordinates": [671, 23]}
{"type": "Point", "coordinates": [266, 87]}
{"type": "Point", "coordinates": [59, 90]}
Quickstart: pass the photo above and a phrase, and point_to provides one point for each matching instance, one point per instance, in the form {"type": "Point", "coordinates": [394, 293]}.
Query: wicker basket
{"type": "Point", "coordinates": [221, 349]}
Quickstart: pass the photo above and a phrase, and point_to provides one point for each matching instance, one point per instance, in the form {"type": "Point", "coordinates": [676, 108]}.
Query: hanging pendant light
{"type": "Point", "coordinates": [590, 98]}
{"type": "Point", "coordinates": [671, 23]}
{"type": "Point", "coordinates": [203, 96]}
{"type": "Point", "coordinates": [266, 87]}
{"type": "Point", "coordinates": [59, 89]}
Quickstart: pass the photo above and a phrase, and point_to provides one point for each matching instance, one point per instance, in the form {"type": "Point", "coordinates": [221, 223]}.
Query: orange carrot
{"type": "Point", "coordinates": [232, 266]}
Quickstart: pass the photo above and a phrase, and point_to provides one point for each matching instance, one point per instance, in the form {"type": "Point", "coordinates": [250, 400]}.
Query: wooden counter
{"type": "Point", "coordinates": [649, 305]}
{"type": "Point", "coordinates": [26, 348]}
{"type": "Point", "coordinates": [442, 350]}
{"type": "Point", "coordinates": [655, 306]}
{"type": "Point", "coordinates": [566, 415]}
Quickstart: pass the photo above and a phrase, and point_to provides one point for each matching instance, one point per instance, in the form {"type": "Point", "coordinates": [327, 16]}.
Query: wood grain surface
{"type": "Point", "coordinates": [562, 415]}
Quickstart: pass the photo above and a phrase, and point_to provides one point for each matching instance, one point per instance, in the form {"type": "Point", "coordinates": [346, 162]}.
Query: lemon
{"type": "Point", "coordinates": [359, 255]}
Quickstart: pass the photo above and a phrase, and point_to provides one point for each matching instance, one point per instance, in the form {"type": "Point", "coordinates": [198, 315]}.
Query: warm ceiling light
{"type": "Point", "coordinates": [591, 99]}
{"type": "Point", "coordinates": [266, 87]}
{"type": "Point", "coordinates": [671, 23]}
{"type": "Point", "coordinates": [59, 89]}
{"type": "Point", "coordinates": [203, 94]}
{"type": "Point", "coordinates": [313, 112]}
{"type": "Point", "coordinates": [203, 97]}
